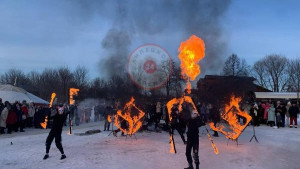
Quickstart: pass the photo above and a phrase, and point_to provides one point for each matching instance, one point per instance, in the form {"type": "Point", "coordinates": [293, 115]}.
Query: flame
{"type": "Point", "coordinates": [232, 110]}
{"type": "Point", "coordinates": [190, 53]}
{"type": "Point", "coordinates": [109, 118]}
{"type": "Point", "coordinates": [213, 144]}
{"type": "Point", "coordinates": [73, 92]}
{"type": "Point", "coordinates": [53, 95]}
{"type": "Point", "coordinates": [179, 101]}
{"type": "Point", "coordinates": [172, 150]}
{"type": "Point", "coordinates": [134, 123]}
{"type": "Point", "coordinates": [44, 124]}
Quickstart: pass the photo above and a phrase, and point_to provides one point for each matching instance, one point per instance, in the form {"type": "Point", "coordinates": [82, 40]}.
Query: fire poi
{"type": "Point", "coordinates": [134, 120]}
{"type": "Point", "coordinates": [44, 124]}
{"type": "Point", "coordinates": [231, 113]}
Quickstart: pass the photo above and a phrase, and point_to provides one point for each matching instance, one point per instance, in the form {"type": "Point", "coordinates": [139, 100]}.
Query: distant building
{"type": "Point", "coordinates": [218, 89]}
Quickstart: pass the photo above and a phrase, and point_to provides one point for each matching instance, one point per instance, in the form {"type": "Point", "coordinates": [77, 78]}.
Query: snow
{"type": "Point", "coordinates": [277, 149]}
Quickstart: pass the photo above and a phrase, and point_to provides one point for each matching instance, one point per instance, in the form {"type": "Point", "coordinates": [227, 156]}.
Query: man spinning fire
{"type": "Point", "coordinates": [58, 121]}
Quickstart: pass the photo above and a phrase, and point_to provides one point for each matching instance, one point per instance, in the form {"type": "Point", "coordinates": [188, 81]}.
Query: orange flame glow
{"type": "Point", "coordinates": [172, 150]}
{"type": "Point", "coordinates": [179, 101]}
{"type": "Point", "coordinates": [190, 53]}
{"type": "Point", "coordinates": [44, 124]}
{"type": "Point", "coordinates": [53, 95]}
{"type": "Point", "coordinates": [134, 123]}
{"type": "Point", "coordinates": [213, 144]}
{"type": "Point", "coordinates": [109, 118]}
{"type": "Point", "coordinates": [73, 92]}
{"type": "Point", "coordinates": [232, 111]}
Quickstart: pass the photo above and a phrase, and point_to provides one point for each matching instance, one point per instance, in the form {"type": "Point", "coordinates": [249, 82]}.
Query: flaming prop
{"type": "Point", "coordinates": [73, 92]}
{"type": "Point", "coordinates": [232, 111]}
{"type": "Point", "coordinates": [134, 122]}
{"type": "Point", "coordinates": [109, 118]}
{"type": "Point", "coordinates": [53, 95]}
{"type": "Point", "coordinates": [44, 124]}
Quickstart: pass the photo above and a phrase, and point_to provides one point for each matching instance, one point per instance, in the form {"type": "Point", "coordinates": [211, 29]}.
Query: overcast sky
{"type": "Point", "coordinates": [40, 34]}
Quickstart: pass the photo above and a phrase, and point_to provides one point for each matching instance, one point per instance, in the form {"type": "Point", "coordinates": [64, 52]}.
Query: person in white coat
{"type": "Point", "coordinates": [31, 112]}
{"type": "Point", "coordinates": [3, 118]}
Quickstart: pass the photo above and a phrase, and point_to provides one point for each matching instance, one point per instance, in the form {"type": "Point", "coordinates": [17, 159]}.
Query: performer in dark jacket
{"type": "Point", "coordinates": [193, 124]}
{"type": "Point", "coordinates": [294, 111]}
{"type": "Point", "coordinates": [55, 132]}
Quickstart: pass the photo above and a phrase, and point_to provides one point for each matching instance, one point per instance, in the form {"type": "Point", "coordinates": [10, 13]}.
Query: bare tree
{"type": "Point", "coordinates": [271, 72]}
{"type": "Point", "coordinates": [65, 77]}
{"type": "Point", "coordinates": [80, 77]}
{"type": "Point", "coordinates": [234, 66]}
{"type": "Point", "coordinates": [14, 77]}
{"type": "Point", "coordinates": [294, 75]}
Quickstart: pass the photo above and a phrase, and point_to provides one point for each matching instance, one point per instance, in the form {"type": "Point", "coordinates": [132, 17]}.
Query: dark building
{"type": "Point", "coordinates": [218, 89]}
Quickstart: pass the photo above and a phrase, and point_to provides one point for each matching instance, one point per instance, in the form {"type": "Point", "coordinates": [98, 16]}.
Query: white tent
{"type": "Point", "coordinates": [12, 93]}
{"type": "Point", "coordinates": [276, 95]}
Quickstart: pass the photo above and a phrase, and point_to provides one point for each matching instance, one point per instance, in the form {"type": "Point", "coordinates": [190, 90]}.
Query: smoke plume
{"type": "Point", "coordinates": [154, 18]}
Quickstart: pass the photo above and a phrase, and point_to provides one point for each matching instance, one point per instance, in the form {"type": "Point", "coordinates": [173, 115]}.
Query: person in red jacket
{"type": "Point", "coordinates": [11, 120]}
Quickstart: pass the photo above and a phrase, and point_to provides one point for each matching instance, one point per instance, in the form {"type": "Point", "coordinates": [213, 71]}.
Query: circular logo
{"type": "Point", "coordinates": [149, 66]}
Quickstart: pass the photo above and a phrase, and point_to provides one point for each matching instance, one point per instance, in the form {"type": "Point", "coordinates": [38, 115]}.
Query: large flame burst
{"type": "Point", "coordinates": [134, 121]}
{"type": "Point", "coordinates": [73, 92]}
{"type": "Point", "coordinates": [231, 113]}
{"type": "Point", "coordinates": [190, 53]}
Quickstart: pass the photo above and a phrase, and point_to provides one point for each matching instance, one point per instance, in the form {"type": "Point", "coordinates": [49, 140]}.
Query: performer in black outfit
{"type": "Point", "coordinates": [193, 124]}
{"type": "Point", "coordinates": [175, 123]}
{"type": "Point", "coordinates": [58, 121]}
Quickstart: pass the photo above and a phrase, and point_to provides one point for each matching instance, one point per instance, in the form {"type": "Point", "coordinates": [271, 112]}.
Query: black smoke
{"type": "Point", "coordinates": [133, 18]}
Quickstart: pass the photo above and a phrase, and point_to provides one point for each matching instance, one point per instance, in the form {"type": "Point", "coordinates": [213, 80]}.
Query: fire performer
{"type": "Point", "coordinates": [58, 121]}
{"type": "Point", "coordinates": [193, 124]}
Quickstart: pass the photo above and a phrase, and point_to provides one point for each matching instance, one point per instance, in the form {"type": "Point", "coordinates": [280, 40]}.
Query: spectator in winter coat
{"type": "Point", "coordinates": [254, 115]}
{"type": "Point", "coordinates": [267, 106]}
{"type": "Point", "coordinates": [1, 105]}
{"type": "Point", "coordinates": [31, 112]}
{"type": "Point", "coordinates": [287, 115]}
{"type": "Point", "coordinates": [24, 110]}
{"type": "Point", "coordinates": [293, 111]}
{"type": "Point", "coordinates": [278, 111]}
{"type": "Point", "coordinates": [3, 117]}
{"type": "Point", "coordinates": [11, 119]}
{"type": "Point", "coordinates": [271, 116]}
{"type": "Point", "coordinates": [108, 112]}
{"type": "Point", "coordinates": [282, 114]}
{"type": "Point", "coordinates": [158, 114]}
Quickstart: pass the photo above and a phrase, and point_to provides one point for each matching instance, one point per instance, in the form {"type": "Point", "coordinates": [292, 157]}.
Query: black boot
{"type": "Point", "coordinates": [46, 156]}
{"type": "Point", "coordinates": [63, 157]}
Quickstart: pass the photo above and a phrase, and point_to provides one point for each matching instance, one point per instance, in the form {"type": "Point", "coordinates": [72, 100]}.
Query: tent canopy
{"type": "Point", "coordinates": [276, 95]}
{"type": "Point", "coordinates": [12, 93]}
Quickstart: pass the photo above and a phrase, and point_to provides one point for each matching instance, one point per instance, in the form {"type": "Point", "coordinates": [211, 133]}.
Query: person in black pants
{"type": "Point", "coordinates": [174, 124]}
{"type": "Point", "coordinates": [58, 121]}
{"type": "Point", "coordinates": [193, 125]}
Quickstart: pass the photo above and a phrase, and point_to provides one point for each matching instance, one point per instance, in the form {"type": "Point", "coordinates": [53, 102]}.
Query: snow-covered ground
{"type": "Point", "coordinates": [277, 149]}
